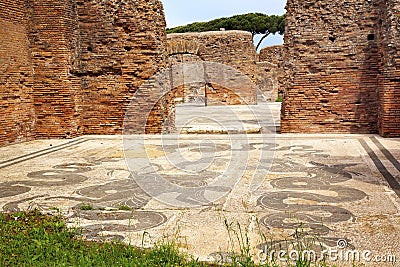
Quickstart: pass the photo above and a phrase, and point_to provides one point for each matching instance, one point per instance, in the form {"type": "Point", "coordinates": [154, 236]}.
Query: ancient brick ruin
{"type": "Point", "coordinates": [71, 67]}
{"type": "Point", "coordinates": [342, 62]}
{"type": "Point", "coordinates": [231, 48]}
{"type": "Point", "coordinates": [16, 76]}
{"type": "Point", "coordinates": [389, 76]}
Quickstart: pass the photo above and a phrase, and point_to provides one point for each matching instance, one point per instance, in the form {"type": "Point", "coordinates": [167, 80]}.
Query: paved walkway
{"type": "Point", "coordinates": [193, 188]}
{"type": "Point", "coordinates": [199, 119]}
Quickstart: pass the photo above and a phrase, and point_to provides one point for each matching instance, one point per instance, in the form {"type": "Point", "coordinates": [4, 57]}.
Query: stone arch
{"type": "Point", "coordinates": [179, 47]}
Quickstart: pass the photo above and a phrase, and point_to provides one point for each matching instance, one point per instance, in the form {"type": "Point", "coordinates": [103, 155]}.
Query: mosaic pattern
{"type": "Point", "coordinates": [300, 202]}
{"type": "Point", "coordinates": [103, 200]}
{"type": "Point", "coordinates": [307, 187]}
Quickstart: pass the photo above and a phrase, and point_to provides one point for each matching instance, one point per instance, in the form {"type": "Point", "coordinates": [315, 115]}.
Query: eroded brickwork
{"type": "Point", "coordinates": [71, 67]}
{"type": "Point", "coordinates": [16, 75]}
{"type": "Point", "coordinates": [122, 44]}
{"type": "Point", "coordinates": [231, 48]}
{"type": "Point", "coordinates": [271, 76]}
{"type": "Point", "coordinates": [389, 78]}
{"type": "Point", "coordinates": [332, 62]}
{"type": "Point", "coordinates": [341, 65]}
{"type": "Point", "coordinates": [53, 32]}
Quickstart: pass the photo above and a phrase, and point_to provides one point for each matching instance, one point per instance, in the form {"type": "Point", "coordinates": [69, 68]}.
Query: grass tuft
{"type": "Point", "coordinates": [279, 98]}
{"type": "Point", "coordinates": [86, 207]}
{"type": "Point", "coordinates": [125, 208]}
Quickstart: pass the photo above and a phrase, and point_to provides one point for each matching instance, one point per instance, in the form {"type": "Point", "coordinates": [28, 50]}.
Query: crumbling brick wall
{"type": "Point", "coordinates": [122, 44]}
{"type": "Point", "coordinates": [389, 78]}
{"type": "Point", "coordinates": [341, 58]}
{"type": "Point", "coordinates": [271, 76]}
{"type": "Point", "coordinates": [231, 48]}
{"type": "Point", "coordinates": [181, 51]}
{"type": "Point", "coordinates": [72, 67]}
{"type": "Point", "coordinates": [52, 34]}
{"type": "Point", "coordinates": [332, 61]}
{"type": "Point", "coordinates": [16, 75]}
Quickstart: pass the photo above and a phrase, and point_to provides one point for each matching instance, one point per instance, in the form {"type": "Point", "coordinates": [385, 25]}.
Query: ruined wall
{"type": "Point", "coordinates": [272, 54]}
{"type": "Point", "coordinates": [122, 44]}
{"type": "Point", "coordinates": [270, 72]}
{"type": "Point", "coordinates": [232, 48]}
{"type": "Point", "coordinates": [389, 78]}
{"type": "Point", "coordinates": [72, 67]}
{"type": "Point", "coordinates": [52, 34]}
{"type": "Point", "coordinates": [331, 57]}
{"type": "Point", "coordinates": [181, 51]}
{"type": "Point", "coordinates": [16, 75]}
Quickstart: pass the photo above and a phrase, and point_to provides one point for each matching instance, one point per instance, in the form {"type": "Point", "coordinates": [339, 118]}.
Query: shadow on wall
{"type": "Point", "coordinates": [366, 106]}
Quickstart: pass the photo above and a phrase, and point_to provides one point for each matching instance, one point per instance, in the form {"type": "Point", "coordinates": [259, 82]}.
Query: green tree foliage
{"type": "Point", "coordinates": [255, 23]}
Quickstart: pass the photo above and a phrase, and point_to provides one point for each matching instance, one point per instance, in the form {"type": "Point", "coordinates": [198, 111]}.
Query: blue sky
{"type": "Point", "coordinates": [181, 12]}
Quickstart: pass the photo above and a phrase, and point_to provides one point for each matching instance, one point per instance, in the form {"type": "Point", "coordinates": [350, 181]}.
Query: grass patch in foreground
{"type": "Point", "coordinates": [33, 239]}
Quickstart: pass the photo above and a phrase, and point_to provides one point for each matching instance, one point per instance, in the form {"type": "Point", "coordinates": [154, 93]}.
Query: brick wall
{"type": "Point", "coordinates": [332, 61]}
{"type": "Point", "coordinates": [72, 67]}
{"type": "Point", "coordinates": [122, 44]}
{"type": "Point", "coordinates": [341, 66]}
{"type": "Point", "coordinates": [389, 78]}
{"type": "Point", "coordinates": [16, 75]}
{"type": "Point", "coordinates": [53, 40]}
{"type": "Point", "coordinates": [232, 48]}
{"type": "Point", "coordinates": [182, 51]}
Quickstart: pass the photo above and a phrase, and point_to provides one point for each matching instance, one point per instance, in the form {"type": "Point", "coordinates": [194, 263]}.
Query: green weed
{"type": "Point", "coordinates": [124, 207]}
{"type": "Point", "coordinates": [86, 207]}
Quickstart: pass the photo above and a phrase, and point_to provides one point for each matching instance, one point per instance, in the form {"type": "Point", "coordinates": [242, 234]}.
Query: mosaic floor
{"type": "Point", "coordinates": [342, 190]}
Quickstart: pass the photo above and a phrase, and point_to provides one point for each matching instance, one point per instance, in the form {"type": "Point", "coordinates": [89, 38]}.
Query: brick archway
{"type": "Point", "coordinates": [180, 47]}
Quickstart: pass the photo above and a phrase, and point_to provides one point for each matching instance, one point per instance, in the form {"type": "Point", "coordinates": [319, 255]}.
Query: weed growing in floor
{"type": "Point", "coordinates": [241, 252]}
{"type": "Point", "coordinates": [86, 207]}
{"type": "Point", "coordinates": [124, 207]}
